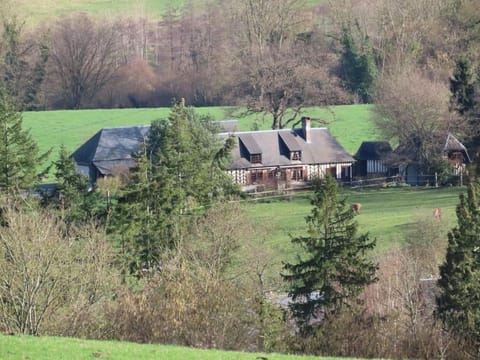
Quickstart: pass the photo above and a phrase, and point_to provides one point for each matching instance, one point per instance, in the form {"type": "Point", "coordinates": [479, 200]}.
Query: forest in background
{"type": "Point", "coordinates": [232, 52]}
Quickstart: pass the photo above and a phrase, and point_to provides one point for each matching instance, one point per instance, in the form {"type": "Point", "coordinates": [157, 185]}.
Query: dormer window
{"type": "Point", "coordinates": [296, 155]}
{"type": "Point", "coordinates": [255, 158]}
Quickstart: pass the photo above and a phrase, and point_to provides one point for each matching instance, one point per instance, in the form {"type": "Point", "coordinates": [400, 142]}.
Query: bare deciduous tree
{"type": "Point", "coordinates": [275, 74]}
{"type": "Point", "coordinates": [83, 58]}
{"type": "Point", "coordinates": [413, 110]}
{"type": "Point", "coordinates": [43, 272]}
{"type": "Point", "coordinates": [276, 87]}
{"type": "Point", "coordinates": [195, 51]}
{"type": "Point", "coordinates": [403, 300]}
{"type": "Point", "coordinates": [408, 33]}
{"type": "Point", "coordinates": [134, 85]}
{"type": "Point", "coordinates": [195, 297]}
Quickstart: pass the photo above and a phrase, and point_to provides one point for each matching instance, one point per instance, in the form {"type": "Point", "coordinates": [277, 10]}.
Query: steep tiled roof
{"type": "Point", "coordinates": [111, 146]}
{"type": "Point", "coordinates": [373, 150]}
{"type": "Point", "coordinates": [453, 144]}
{"type": "Point", "coordinates": [322, 149]}
{"type": "Point", "coordinates": [290, 141]}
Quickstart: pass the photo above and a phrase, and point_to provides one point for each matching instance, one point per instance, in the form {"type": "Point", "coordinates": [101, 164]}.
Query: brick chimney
{"type": "Point", "coordinates": [306, 126]}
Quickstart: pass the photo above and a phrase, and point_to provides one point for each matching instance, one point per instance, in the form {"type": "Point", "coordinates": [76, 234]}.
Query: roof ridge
{"type": "Point", "coordinates": [271, 130]}
{"type": "Point", "coordinates": [123, 127]}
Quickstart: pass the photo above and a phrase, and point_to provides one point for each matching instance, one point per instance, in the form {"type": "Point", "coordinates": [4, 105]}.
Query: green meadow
{"type": "Point", "coordinates": [387, 214]}
{"type": "Point", "coordinates": [350, 124]}
{"type": "Point", "coordinates": [39, 348]}
{"type": "Point", "coordinates": [36, 11]}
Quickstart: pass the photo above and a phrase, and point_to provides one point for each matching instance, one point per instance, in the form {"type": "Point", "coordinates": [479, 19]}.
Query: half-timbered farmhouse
{"type": "Point", "coordinates": [270, 158]}
{"type": "Point", "coordinates": [287, 157]}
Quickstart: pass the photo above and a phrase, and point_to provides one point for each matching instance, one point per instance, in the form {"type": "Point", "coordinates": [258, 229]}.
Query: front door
{"type": "Point", "coordinates": [297, 174]}
{"type": "Point", "coordinates": [332, 170]}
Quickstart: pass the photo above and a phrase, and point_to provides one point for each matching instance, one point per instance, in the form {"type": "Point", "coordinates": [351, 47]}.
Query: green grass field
{"type": "Point", "coordinates": [36, 11]}
{"type": "Point", "coordinates": [387, 215]}
{"type": "Point", "coordinates": [350, 124]}
{"type": "Point", "coordinates": [38, 348]}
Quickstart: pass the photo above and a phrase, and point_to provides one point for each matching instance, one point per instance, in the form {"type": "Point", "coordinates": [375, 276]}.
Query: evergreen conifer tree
{"type": "Point", "coordinates": [13, 64]}
{"type": "Point", "coordinates": [138, 219]}
{"type": "Point", "coordinates": [35, 81]}
{"type": "Point", "coordinates": [178, 170]}
{"type": "Point", "coordinates": [74, 197]}
{"type": "Point", "coordinates": [70, 184]}
{"type": "Point", "coordinates": [335, 266]}
{"type": "Point", "coordinates": [22, 64]}
{"type": "Point", "coordinates": [357, 66]}
{"type": "Point", "coordinates": [461, 87]}
{"type": "Point", "coordinates": [19, 155]}
{"type": "Point", "coordinates": [459, 300]}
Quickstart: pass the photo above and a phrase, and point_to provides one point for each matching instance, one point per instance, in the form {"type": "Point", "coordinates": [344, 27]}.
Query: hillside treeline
{"type": "Point", "coordinates": [263, 54]}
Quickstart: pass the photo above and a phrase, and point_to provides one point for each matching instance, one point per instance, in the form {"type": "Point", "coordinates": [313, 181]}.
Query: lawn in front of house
{"type": "Point", "coordinates": [387, 214]}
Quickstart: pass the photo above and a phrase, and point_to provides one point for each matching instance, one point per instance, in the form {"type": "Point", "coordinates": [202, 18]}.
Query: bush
{"type": "Point", "coordinates": [51, 283]}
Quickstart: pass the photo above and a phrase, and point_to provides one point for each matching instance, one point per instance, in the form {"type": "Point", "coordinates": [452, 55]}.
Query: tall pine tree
{"type": "Point", "coordinates": [73, 197]}
{"type": "Point", "coordinates": [461, 87]}
{"type": "Point", "coordinates": [19, 154]}
{"type": "Point", "coordinates": [23, 64]}
{"type": "Point", "coordinates": [333, 267]}
{"type": "Point", "coordinates": [178, 170]}
{"type": "Point", "coordinates": [357, 66]}
{"type": "Point", "coordinates": [459, 300]}
{"type": "Point", "coordinates": [14, 66]}
{"type": "Point", "coordinates": [464, 99]}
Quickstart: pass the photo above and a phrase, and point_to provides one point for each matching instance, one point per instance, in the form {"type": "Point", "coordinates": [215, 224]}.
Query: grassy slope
{"type": "Point", "coordinates": [351, 124]}
{"type": "Point", "coordinates": [386, 214]}
{"type": "Point", "coordinates": [27, 347]}
{"type": "Point", "coordinates": [35, 11]}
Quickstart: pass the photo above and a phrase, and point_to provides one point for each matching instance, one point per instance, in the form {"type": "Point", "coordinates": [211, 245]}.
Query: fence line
{"type": "Point", "coordinates": [377, 182]}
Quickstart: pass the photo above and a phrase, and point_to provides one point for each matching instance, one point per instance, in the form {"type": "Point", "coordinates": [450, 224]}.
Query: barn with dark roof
{"type": "Point", "coordinates": [110, 151]}
{"type": "Point", "coordinates": [372, 158]}
{"type": "Point", "coordinates": [408, 164]}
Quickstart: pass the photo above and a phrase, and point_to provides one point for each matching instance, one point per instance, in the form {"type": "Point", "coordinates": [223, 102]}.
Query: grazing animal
{"type": "Point", "coordinates": [356, 207]}
{"type": "Point", "coordinates": [437, 213]}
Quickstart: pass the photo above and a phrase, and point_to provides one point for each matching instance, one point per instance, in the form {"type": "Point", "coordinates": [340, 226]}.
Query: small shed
{"type": "Point", "coordinates": [371, 158]}
{"type": "Point", "coordinates": [456, 154]}
{"type": "Point", "coordinates": [109, 150]}
{"type": "Point", "coordinates": [453, 151]}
